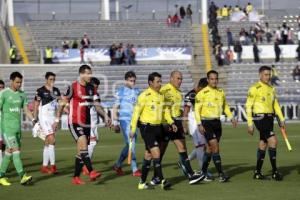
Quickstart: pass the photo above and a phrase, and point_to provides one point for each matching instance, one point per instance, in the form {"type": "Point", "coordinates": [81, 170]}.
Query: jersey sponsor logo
{"type": "Point", "coordinates": [85, 103]}
{"type": "Point", "coordinates": [16, 109]}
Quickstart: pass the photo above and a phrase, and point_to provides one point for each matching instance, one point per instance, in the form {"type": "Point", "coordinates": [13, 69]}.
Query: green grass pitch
{"type": "Point", "coordinates": [238, 151]}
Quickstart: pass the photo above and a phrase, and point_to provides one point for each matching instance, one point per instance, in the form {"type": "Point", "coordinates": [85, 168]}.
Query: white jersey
{"type": "Point", "coordinates": [47, 108]}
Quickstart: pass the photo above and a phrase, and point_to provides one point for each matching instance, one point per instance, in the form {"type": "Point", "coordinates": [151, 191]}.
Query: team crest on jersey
{"type": "Point", "coordinates": [152, 107]}
{"type": "Point", "coordinates": [263, 99]}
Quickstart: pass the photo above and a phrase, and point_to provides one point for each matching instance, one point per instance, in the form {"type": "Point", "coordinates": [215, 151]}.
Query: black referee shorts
{"type": "Point", "coordinates": [152, 135]}
{"type": "Point", "coordinates": [264, 124]}
{"type": "Point", "coordinates": [170, 135]}
{"type": "Point", "coordinates": [77, 131]}
{"type": "Point", "coordinates": [213, 129]}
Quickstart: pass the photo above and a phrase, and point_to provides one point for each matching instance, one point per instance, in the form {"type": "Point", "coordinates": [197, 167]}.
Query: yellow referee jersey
{"type": "Point", "coordinates": [149, 109]}
{"type": "Point", "coordinates": [262, 100]}
{"type": "Point", "coordinates": [210, 103]}
{"type": "Point", "coordinates": [173, 99]}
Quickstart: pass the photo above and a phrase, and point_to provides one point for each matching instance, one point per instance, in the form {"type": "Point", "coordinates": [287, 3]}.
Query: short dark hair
{"type": "Point", "coordinates": [202, 82]}
{"type": "Point", "coordinates": [2, 82]}
{"type": "Point", "coordinates": [212, 72]}
{"type": "Point", "coordinates": [84, 67]}
{"type": "Point", "coordinates": [95, 81]}
{"type": "Point", "coordinates": [263, 68]}
{"type": "Point", "coordinates": [15, 75]}
{"type": "Point", "coordinates": [48, 74]}
{"type": "Point", "coordinates": [152, 76]}
{"type": "Point", "coordinates": [129, 74]}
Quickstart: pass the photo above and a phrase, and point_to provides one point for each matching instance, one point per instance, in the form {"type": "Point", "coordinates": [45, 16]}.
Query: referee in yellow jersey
{"type": "Point", "coordinates": [174, 101]}
{"type": "Point", "coordinates": [209, 106]}
{"type": "Point", "coordinates": [149, 111]}
{"type": "Point", "coordinates": [261, 107]}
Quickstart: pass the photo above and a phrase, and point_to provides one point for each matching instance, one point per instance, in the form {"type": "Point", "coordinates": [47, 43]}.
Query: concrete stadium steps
{"type": "Point", "coordinates": [149, 33]}
{"type": "Point", "coordinates": [241, 77]}
{"type": "Point", "coordinates": [110, 77]}
{"type": "Point", "coordinates": [235, 27]}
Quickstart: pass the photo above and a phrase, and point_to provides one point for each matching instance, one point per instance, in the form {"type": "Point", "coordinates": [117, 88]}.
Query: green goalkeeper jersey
{"type": "Point", "coordinates": [11, 104]}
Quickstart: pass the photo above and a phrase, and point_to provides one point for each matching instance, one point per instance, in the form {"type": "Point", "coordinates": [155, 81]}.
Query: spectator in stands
{"type": "Point", "coordinates": [296, 73]}
{"type": "Point", "coordinates": [228, 56]}
{"type": "Point", "coordinates": [274, 77]}
{"type": "Point", "coordinates": [48, 55]}
{"type": "Point", "coordinates": [298, 35]}
{"type": "Point", "coordinates": [65, 45]}
{"type": "Point", "coordinates": [284, 33]}
{"type": "Point", "coordinates": [182, 12]}
{"type": "Point", "coordinates": [81, 51]}
{"type": "Point", "coordinates": [13, 55]}
{"type": "Point", "coordinates": [278, 35]}
{"type": "Point", "coordinates": [252, 34]}
{"type": "Point", "coordinates": [244, 37]}
{"type": "Point", "coordinates": [238, 49]}
{"type": "Point", "coordinates": [74, 44]}
{"type": "Point", "coordinates": [236, 8]}
{"type": "Point", "coordinates": [112, 54]}
{"type": "Point", "coordinates": [298, 52]}
{"type": "Point", "coordinates": [290, 36]}
{"type": "Point", "coordinates": [189, 13]}
{"type": "Point", "coordinates": [176, 9]}
{"type": "Point", "coordinates": [277, 51]}
{"type": "Point", "coordinates": [225, 13]}
{"type": "Point", "coordinates": [268, 32]}
{"type": "Point", "coordinates": [85, 42]}
{"type": "Point", "coordinates": [220, 56]}
{"type": "Point", "coordinates": [133, 54]}
{"type": "Point", "coordinates": [229, 37]}
{"type": "Point", "coordinates": [256, 53]}
{"type": "Point", "coordinates": [298, 20]}
{"type": "Point", "coordinates": [176, 21]}
{"type": "Point", "coordinates": [119, 55]}
{"type": "Point", "coordinates": [249, 8]}
{"type": "Point", "coordinates": [169, 21]}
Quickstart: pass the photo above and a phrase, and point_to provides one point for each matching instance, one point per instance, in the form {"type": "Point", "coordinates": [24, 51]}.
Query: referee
{"type": "Point", "coordinates": [173, 99]}
{"type": "Point", "coordinates": [209, 106]}
{"type": "Point", "coordinates": [261, 106]}
{"type": "Point", "coordinates": [149, 111]}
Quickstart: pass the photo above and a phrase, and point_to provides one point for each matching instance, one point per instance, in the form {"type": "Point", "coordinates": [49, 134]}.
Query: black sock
{"type": "Point", "coordinates": [157, 168]}
{"type": "Point", "coordinates": [217, 161]}
{"type": "Point", "coordinates": [184, 159]}
{"type": "Point", "coordinates": [78, 166]}
{"type": "Point", "coordinates": [145, 170]}
{"type": "Point", "coordinates": [272, 155]}
{"type": "Point", "coordinates": [86, 160]}
{"type": "Point", "coordinates": [260, 159]}
{"type": "Point", "coordinates": [206, 161]}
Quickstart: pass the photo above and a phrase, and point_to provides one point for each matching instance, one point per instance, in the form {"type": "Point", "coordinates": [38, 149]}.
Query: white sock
{"type": "Point", "coordinates": [0, 156]}
{"type": "Point", "coordinates": [192, 155]}
{"type": "Point", "coordinates": [91, 148]}
{"type": "Point", "coordinates": [46, 156]}
{"type": "Point", "coordinates": [51, 154]}
{"type": "Point", "coordinates": [200, 153]}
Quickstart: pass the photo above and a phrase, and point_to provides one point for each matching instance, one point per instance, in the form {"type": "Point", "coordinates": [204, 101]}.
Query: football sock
{"type": "Point", "coordinates": [157, 168]}
{"type": "Point", "coordinates": [186, 163]}
{"type": "Point", "coordinates": [217, 161]}
{"type": "Point", "coordinates": [51, 150]}
{"type": "Point", "coordinates": [46, 156]}
{"type": "Point", "coordinates": [206, 161]}
{"type": "Point", "coordinates": [18, 163]}
{"type": "Point", "coordinates": [272, 155]}
{"type": "Point", "coordinates": [91, 148]}
{"type": "Point", "coordinates": [78, 166]}
{"type": "Point", "coordinates": [5, 163]}
{"type": "Point", "coordinates": [86, 160]}
{"type": "Point", "coordinates": [260, 159]}
{"type": "Point", "coordinates": [145, 170]}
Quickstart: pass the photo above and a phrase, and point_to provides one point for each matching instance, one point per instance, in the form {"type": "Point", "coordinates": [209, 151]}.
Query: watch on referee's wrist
{"type": "Point", "coordinates": [57, 120]}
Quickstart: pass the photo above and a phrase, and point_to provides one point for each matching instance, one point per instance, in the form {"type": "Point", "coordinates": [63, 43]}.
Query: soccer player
{"type": "Point", "coordinates": [173, 99]}
{"type": "Point", "coordinates": [45, 106]}
{"type": "Point", "coordinates": [261, 106]}
{"type": "Point", "coordinates": [12, 101]}
{"type": "Point", "coordinates": [209, 106]}
{"type": "Point", "coordinates": [149, 111]}
{"type": "Point", "coordinates": [94, 137]}
{"type": "Point", "coordinates": [190, 122]}
{"type": "Point", "coordinates": [81, 95]}
{"type": "Point", "coordinates": [126, 98]}
{"type": "Point", "coordinates": [2, 146]}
